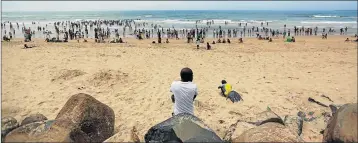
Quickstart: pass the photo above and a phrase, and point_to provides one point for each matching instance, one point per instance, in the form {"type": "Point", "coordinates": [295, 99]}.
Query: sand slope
{"type": "Point", "coordinates": [134, 78]}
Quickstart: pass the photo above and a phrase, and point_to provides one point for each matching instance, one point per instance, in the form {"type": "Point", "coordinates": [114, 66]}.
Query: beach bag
{"type": "Point", "coordinates": [234, 96]}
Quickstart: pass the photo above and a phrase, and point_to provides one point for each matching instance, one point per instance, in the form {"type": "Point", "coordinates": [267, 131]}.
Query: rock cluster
{"type": "Point", "coordinates": [85, 119]}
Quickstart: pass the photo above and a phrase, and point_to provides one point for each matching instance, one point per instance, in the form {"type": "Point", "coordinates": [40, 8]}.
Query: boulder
{"type": "Point", "coordinates": [86, 114]}
{"type": "Point", "coordinates": [342, 126]}
{"type": "Point", "coordinates": [82, 119]}
{"type": "Point", "coordinates": [33, 118]}
{"type": "Point", "coordinates": [295, 123]}
{"type": "Point", "coordinates": [7, 125]}
{"type": "Point", "coordinates": [268, 132]}
{"type": "Point", "coordinates": [181, 128]}
{"type": "Point", "coordinates": [265, 117]}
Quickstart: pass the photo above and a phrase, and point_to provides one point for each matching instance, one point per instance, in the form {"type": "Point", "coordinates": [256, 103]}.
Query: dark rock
{"type": "Point", "coordinates": [333, 108]}
{"type": "Point", "coordinates": [301, 114]}
{"type": "Point", "coordinates": [181, 128]}
{"type": "Point", "coordinates": [265, 117]}
{"type": "Point", "coordinates": [269, 132]}
{"type": "Point", "coordinates": [221, 121]}
{"type": "Point", "coordinates": [314, 101]}
{"type": "Point", "coordinates": [33, 118]}
{"type": "Point", "coordinates": [85, 113]}
{"type": "Point", "coordinates": [326, 97]}
{"type": "Point", "coordinates": [342, 127]}
{"type": "Point", "coordinates": [8, 124]}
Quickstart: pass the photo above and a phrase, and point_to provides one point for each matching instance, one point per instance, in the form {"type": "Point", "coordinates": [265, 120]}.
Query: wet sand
{"type": "Point", "coordinates": [134, 78]}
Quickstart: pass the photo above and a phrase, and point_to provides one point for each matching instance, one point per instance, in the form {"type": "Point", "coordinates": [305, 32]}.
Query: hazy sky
{"type": "Point", "coordinates": [175, 5]}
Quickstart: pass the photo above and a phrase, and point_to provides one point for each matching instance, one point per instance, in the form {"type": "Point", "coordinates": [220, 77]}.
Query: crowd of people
{"type": "Point", "coordinates": [103, 30]}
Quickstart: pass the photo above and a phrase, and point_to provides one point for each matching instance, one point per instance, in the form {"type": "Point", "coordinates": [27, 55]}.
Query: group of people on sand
{"type": "Point", "coordinates": [356, 40]}
{"type": "Point", "coordinates": [184, 91]}
{"type": "Point", "coordinates": [103, 30]}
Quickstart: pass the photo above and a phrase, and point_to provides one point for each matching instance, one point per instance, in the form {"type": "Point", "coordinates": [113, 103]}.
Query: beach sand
{"type": "Point", "coordinates": [134, 78]}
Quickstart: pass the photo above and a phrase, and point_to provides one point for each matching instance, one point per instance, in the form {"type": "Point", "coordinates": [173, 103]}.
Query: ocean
{"type": "Point", "coordinates": [187, 18]}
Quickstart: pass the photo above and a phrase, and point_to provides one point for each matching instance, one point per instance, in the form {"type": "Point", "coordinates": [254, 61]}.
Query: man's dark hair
{"type": "Point", "coordinates": [186, 75]}
{"type": "Point", "coordinates": [223, 82]}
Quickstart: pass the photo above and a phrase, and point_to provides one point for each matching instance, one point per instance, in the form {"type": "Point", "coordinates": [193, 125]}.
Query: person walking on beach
{"type": "Point", "coordinates": [197, 43]}
{"type": "Point", "coordinates": [184, 92]}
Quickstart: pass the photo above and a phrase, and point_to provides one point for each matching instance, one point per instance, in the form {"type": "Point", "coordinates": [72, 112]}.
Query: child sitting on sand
{"type": "Point", "coordinates": [225, 88]}
{"type": "Point", "coordinates": [270, 40]}
{"type": "Point", "coordinates": [226, 91]}
{"type": "Point", "coordinates": [25, 46]}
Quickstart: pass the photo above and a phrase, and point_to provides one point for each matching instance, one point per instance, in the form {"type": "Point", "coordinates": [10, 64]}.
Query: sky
{"type": "Point", "coordinates": [175, 5]}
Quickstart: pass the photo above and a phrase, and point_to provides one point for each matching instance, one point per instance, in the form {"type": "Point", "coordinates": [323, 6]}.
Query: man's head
{"type": "Point", "coordinates": [186, 75]}
{"type": "Point", "coordinates": [223, 82]}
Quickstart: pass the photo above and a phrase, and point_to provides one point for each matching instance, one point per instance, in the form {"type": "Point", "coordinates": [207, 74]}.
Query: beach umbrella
{"type": "Point", "coordinates": [181, 128]}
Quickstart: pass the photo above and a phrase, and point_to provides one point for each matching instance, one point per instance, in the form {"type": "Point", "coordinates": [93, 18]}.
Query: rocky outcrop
{"type": "Point", "coordinates": [8, 124]}
{"type": "Point", "coordinates": [268, 132]}
{"type": "Point", "coordinates": [181, 128]}
{"type": "Point", "coordinates": [82, 119]}
{"type": "Point", "coordinates": [241, 126]}
{"type": "Point", "coordinates": [33, 118]}
{"type": "Point", "coordinates": [342, 127]}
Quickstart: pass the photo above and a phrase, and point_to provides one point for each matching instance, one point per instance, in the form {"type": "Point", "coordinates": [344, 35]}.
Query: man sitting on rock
{"type": "Point", "coordinates": [184, 93]}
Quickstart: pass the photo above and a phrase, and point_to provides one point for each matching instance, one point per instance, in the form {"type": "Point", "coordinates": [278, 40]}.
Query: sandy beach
{"type": "Point", "coordinates": [134, 78]}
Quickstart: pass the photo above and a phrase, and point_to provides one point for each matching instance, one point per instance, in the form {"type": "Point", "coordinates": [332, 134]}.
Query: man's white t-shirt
{"type": "Point", "coordinates": [184, 96]}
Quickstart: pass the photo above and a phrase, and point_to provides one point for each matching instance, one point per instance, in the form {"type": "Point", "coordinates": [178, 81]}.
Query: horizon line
{"type": "Point", "coordinates": [177, 10]}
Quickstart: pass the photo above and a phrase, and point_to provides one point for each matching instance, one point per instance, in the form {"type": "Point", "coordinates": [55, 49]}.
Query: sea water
{"type": "Point", "coordinates": [186, 19]}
